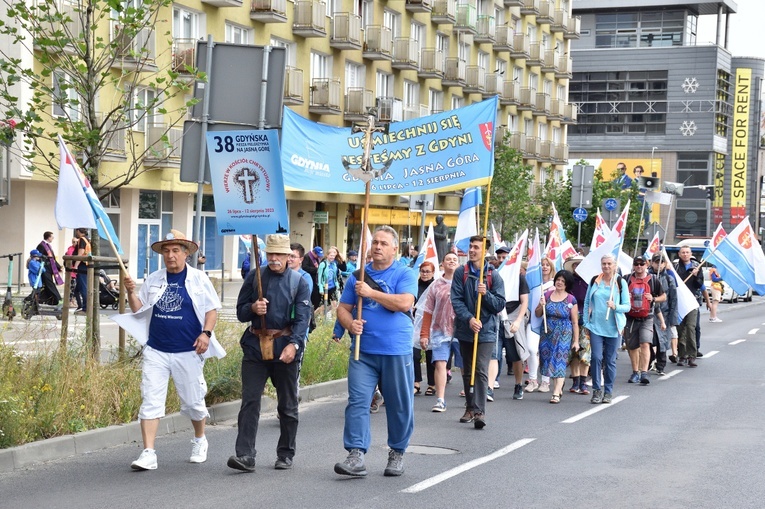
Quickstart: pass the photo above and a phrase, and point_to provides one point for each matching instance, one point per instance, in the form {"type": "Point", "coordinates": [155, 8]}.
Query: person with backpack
{"type": "Point", "coordinates": [645, 292]}
{"type": "Point", "coordinates": [464, 295]}
{"type": "Point", "coordinates": [604, 306]}
{"type": "Point", "coordinates": [663, 336]}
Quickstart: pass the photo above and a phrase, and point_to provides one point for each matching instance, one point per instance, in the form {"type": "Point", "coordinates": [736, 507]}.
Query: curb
{"type": "Point", "coordinates": [23, 456]}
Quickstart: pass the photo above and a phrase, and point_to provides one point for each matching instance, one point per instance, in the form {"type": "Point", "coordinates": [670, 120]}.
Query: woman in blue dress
{"type": "Point", "coordinates": [562, 333]}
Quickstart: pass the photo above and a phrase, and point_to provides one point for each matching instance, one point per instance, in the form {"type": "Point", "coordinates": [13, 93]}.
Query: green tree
{"type": "Point", "coordinates": [511, 209]}
{"type": "Point", "coordinates": [97, 73]}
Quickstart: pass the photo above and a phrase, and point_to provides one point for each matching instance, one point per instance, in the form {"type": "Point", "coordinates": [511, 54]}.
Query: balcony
{"type": "Point", "coordinates": [475, 80]}
{"type": "Point", "coordinates": [466, 19]}
{"type": "Point", "coordinates": [269, 11]}
{"type": "Point", "coordinates": [419, 5]}
{"type": "Point", "coordinates": [499, 135]}
{"type": "Point", "coordinates": [574, 28]}
{"type": "Point", "coordinates": [546, 12]}
{"type": "Point", "coordinates": [325, 96]}
{"type": "Point", "coordinates": [444, 12]}
{"type": "Point", "coordinates": [346, 31]}
{"type": "Point", "coordinates": [564, 68]}
{"type": "Point", "coordinates": [415, 111]}
{"type": "Point", "coordinates": [550, 61]}
{"type": "Point", "coordinates": [115, 144]}
{"type": "Point", "coordinates": [138, 53]}
{"type": "Point", "coordinates": [536, 52]}
{"type": "Point", "coordinates": [532, 148]}
{"type": "Point", "coordinates": [223, 3]}
{"type": "Point", "coordinates": [455, 75]}
{"type": "Point", "coordinates": [517, 141]}
{"type": "Point", "coordinates": [405, 55]}
{"type": "Point", "coordinates": [504, 40]}
{"type": "Point", "coordinates": [556, 109]}
{"type": "Point", "coordinates": [545, 150]}
{"type": "Point", "coordinates": [486, 29]}
{"type": "Point", "coordinates": [560, 21]}
{"type": "Point", "coordinates": [163, 146]}
{"type": "Point", "coordinates": [72, 27]}
{"type": "Point", "coordinates": [530, 7]}
{"type": "Point", "coordinates": [542, 104]}
{"type": "Point", "coordinates": [389, 109]}
{"type": "Point", "coordinates": [431, 64]}
{"type": "Point", "coordinates": [569, 114]}
{"type": "Point", "coordinates": [520, 46]}
{"type": "Point", "coordinates": [378, 43]}
{"type": "Point", "coordinates": [511, 93]}
{"type": "Point", "coordinates": [560, 153]}
{"type": "Point", "coordinates": [526, 99]}
{"type": "Point", "coordinates": [493, 85]}
{"type": "Point", "coordinates": [513, 3]}
{"type": "Point", "coordinates": [184, 56]}
{"type": "Point", "coordinates": [310, 19]}
{"type": "Point", "coordinates": [293, 86]}
{"type": "Point", "coordinates": [357, 104]}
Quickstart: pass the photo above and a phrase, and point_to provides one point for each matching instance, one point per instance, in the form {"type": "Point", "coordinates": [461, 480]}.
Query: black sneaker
{"type": "Point", "coordinates": [673, 359]}
{"type": "Point", "coordinates": [395, 465]}
{"type": "Point", "coordinates": [243, 463]}
{"type": "Point", "coordinates": [283, 463]}
{"type": "Point", "coordinates": [518, 392]}
{"type": "Point", "coordinates": [644, 380]}
{"type": "Point", "coordinates": [660, 372]}
{"type": "Point", "coordinates": [479, 422]}
{"type": "Point", "coordinates": [699, 354]}
{"type": "Point", "coordinates": [597, 397]}
{"type": "Point", "coordinates": [353, 464]}
{"type": "Point", "coordinates": [607, 397]}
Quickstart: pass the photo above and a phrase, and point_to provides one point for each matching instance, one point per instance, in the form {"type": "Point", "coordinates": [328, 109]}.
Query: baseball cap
{"type": "Point", "coordinates": [318, 251]}
{"type": "Point", "coordinates": [502, 249]}
{"type": "Point", "coordinates": [638, 260]}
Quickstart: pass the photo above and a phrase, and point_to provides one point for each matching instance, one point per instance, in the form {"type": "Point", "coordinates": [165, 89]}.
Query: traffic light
{"type": "Point", "coordinates": [710, 193]}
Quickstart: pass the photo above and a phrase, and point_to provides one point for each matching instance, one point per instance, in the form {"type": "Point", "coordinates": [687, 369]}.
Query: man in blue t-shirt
{"type": "Point", "coordinates": [385, 354]}
{"type": "Point", "coordinates": [179, 308]}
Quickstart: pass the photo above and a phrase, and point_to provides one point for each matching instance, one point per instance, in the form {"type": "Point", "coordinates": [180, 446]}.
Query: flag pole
{"type": "Point", "coordinates": [362, 270]}
{"type": "Point", "coordinates": [480, 281]}
{"type": "Point", "coordinates": [114, 248]}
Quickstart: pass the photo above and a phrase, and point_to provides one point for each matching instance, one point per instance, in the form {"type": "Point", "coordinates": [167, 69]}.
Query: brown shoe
{"type": "Point", "coordinates": [467, 417]}
{"type": "Point", "coordinates": [478, 421]}
{"type": "Point", "coordinates": [692, 362]}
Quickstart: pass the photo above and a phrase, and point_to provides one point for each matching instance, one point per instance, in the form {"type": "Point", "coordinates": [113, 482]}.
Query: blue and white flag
{"type": "Point", "coordinates": [467, 225]}
{"type": "Point", "coordinates": [441, 152]}
{"type": "Point", "coordinates": [534, 280]}
{"type": "Point", "coordinates": [740, 260]}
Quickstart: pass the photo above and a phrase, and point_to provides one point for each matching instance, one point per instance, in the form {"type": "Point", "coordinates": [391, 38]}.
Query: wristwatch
{"type": "Point", "coordinates": [208, 332]}
{"type": "Point", "coordinates": [297, 346]}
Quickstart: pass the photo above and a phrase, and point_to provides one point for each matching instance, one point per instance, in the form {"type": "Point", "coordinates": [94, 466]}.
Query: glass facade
{"type": "Point", "coordinates": [644, 29]}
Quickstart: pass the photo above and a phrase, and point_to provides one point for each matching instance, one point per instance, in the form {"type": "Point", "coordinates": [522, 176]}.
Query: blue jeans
{"type": "Point", "coordinates": [455, 346]}
{"type": "Point", "coordinates": [81, 290]}
{"type": "Point", "coordinates": [395, 376]}
{"type": "Point", "coordinates": [603, 354]}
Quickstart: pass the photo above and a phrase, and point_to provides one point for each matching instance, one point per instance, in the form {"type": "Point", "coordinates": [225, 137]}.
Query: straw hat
{"type": "Point", "coordinates": [175, 237]}
{"type": "Point", "coordinates": [569, 264]}
{"type": "Point", "coordinates": [278, 244]}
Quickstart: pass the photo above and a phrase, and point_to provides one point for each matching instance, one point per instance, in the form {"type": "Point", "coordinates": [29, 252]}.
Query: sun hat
{"type": "Point", "coordinates": [569, 264]}
{"type": "Point", "coordinates": [175, 237]}
{"type": "Point", "coordinates": [278, 244]}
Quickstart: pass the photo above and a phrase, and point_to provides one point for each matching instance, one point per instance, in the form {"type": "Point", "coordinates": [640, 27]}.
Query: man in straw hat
{"type": "Point", "coordinates": [272, 347]}
{"type": "Point", "coordinates": [174, 314]}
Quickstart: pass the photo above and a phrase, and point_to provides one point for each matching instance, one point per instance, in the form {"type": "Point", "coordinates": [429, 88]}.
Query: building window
{"type": "Point", "coordinates": [321, 66]}
{"type": "Point", "coordinates": [238, 35]}
{"type": "Point", "coordinates": [290, 50]}
{"type": "Point", "coordinates": [186, 24]}
{"type": "Point", "coordinates": [66, 102]}
{"type": "Point", "coordinates": [435, 101]}
{"type": "Point", "coordinates": [691, 212]}
{"type": "Point", "coordinates": [643, 29]}
{"type": "Point", "coordinates": [354, 75]}
{"type": "Point", "coordinates": [723, 106]}
{"type": "Point", "coordinates": [457, 102]}
{"type": "Point", "coordinates": [623, 102]}
{"type": "Point", "coordinates": [143, 110]}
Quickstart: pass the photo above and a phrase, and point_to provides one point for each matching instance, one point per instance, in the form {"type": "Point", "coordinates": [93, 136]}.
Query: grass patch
{"type": "Point", "coordinates": [54, 393]}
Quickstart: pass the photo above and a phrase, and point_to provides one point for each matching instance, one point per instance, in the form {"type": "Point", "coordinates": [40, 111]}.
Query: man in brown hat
{"type": "Point", "coordinates": [174, 314]}
{"type": "Point", "coordinates": [272, 347]}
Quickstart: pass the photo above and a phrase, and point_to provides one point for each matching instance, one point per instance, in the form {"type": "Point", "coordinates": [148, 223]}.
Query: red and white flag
{"type": "Point", "coordinates": [653, 247]}
{"type": "Point", "coordinates": [510, 270]}
{"type": "Point", "coordinates": [601, 233]}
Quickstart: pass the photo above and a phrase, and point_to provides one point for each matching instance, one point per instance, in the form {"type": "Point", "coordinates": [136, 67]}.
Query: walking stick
{"type": "Point", "coordinates": [480, 281]}
{"type": "Point", "coordinates": [266, 339]}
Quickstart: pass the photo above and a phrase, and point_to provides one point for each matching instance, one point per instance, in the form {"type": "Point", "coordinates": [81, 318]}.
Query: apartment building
{"type": "Point", "coordinates": [407, 58]}
{"type": "Point", "coordinates": [650, 91]}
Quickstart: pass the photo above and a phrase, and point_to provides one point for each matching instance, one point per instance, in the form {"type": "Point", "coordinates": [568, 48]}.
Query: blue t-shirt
{"type": "Point", "coordinates": [174, 326]}
{"type": "Point", "coordinates": [386, 332]}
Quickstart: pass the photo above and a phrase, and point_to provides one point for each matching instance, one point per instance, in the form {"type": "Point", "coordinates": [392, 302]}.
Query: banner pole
{"type": "Point", "coordinates": [480, 281]}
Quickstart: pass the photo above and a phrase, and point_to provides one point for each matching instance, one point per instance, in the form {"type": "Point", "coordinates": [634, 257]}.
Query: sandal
{"type": "Point", "coordinates": [416, 389]}
{"type": "Point", "coordinates": [430, 391]}
{"type": "Point", "coordinates": [555, 399]}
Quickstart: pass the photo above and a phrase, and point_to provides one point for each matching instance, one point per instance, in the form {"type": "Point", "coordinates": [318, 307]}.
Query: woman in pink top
{"type": "Point", "coordinates": [438, 326]}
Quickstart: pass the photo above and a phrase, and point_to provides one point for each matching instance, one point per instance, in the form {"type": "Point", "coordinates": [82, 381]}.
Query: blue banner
{"type": "Point", "coordinates": [447, 151]}
{"type": "Point", "coordinates": [247, 182]}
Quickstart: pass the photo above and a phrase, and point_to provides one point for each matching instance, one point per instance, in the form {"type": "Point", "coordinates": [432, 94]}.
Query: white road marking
{"type": "Point", "coordinates": [669, 375]}
{"type": "Point", "coordinates": [710, 354]}
{"type": "Point", "coordinates": [753, 331]}
{"type": "Point", "coordinates": [427, 483]}
{"type": "Point", "coordinates": [595, 410]}
{"type": "Point", "coordinates": [737, 342]}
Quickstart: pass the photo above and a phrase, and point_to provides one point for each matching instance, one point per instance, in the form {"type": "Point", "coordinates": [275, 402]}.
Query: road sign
{"type": "Point", "coordinates": [652, 229]}
{"type": "Point", "coordinates": [581, 198]}
{"type": "Point", "coordinates": [610, 204]}
{"type": "Point", "coordinates": [580, 215]}
{"type": "Point", "coordinates": [582, 176]}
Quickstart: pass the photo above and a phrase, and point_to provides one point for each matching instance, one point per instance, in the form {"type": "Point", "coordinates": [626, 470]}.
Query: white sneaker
{"type": "Point", "coordinates": [146, 461]}
{"type": "Point", "coordinates": [496, 384]}
{"type": "Point", "coordinates": [531, 386]}
{"type": "Point", "coordinates": [715, 320]}
{"type": "Point", "coordinates": [198, 451]}
{"type": "Point", "coordinates": [544, 387]}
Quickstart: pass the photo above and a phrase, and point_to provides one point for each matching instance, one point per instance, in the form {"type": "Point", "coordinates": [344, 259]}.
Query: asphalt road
{"type": "Point", "coordinates": [690, 439]}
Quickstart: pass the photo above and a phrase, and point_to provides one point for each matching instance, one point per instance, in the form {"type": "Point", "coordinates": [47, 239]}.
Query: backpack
{"type": "Point", "coordinates": [487, 273]}
{"type": "Point", "coordinates": [640, 307]}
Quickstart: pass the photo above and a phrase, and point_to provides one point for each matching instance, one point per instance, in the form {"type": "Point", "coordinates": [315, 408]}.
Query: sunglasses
{"type": "Point", "coordinates": [639, 263]}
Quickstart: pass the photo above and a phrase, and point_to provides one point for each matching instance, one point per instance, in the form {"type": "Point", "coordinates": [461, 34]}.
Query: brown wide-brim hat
{"type": "Point", "coordinates": [175, 237]}
{"type": "Point", "coordinates": [278, 244]}
{"type": "Point", "coordinates": [569, 264]}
